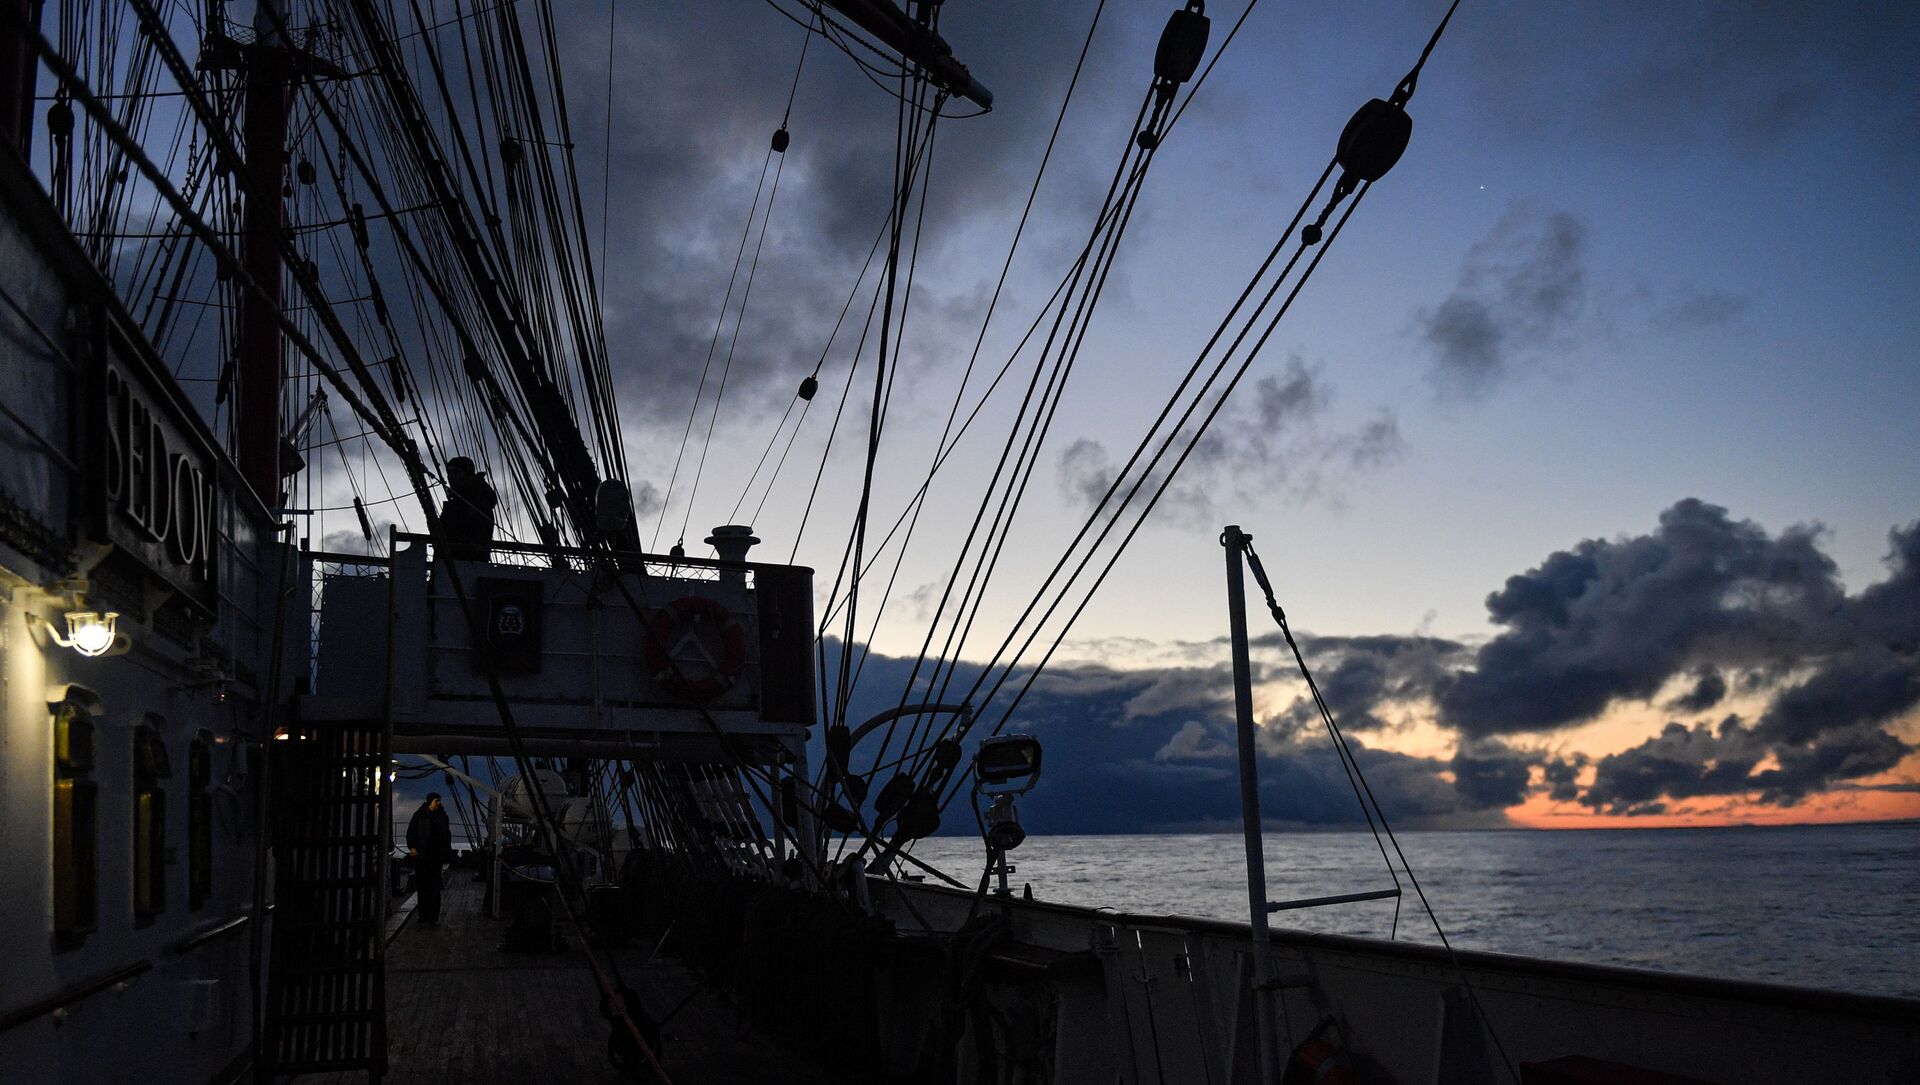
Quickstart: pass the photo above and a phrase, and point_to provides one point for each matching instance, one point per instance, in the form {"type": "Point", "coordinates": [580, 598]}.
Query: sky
{"type": "Point", "coordinates": [1583, 464]}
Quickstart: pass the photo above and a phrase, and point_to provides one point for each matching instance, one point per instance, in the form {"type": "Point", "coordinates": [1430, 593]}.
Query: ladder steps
{"type": "Point", "coordinates": [326, 997]}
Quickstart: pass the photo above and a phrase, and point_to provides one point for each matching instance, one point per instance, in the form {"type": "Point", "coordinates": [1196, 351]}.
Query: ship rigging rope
{"type": "Point", "coordinates": [113, 131]}
{"type": "Point", "coordinates": [699, 392]}
{"type": "Point", "coordinates": [746, 232]}
{"type": "Point", "coordinates": [913, 262]}
{"type": "Point", "coordinates": [1354, 772]}
{"type": "Point", "coordinates": [1401, 95]}
{"type": "Point", "coordinates": [1102, 222]}
{"type": "Point", "coordinates": [907, 128]}
{"type": "Point", "coordinates": [419, 268]}
{"type": "Point", "coordinates": [733, 345]}
{"type": "Point", "coordinates": [391, 431]}
{"type": "Point", "coordinates": [1152, 122]}
{"type": "Point", "coordinates": [1165, 481]}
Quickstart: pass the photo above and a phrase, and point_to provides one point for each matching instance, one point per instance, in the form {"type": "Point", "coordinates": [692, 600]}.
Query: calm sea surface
{"type": "Point", "coordinates": [1834, 907]}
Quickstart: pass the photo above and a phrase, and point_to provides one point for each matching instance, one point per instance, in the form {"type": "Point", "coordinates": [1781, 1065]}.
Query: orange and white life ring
{"type": "Point", "coordinates": [697, 650]}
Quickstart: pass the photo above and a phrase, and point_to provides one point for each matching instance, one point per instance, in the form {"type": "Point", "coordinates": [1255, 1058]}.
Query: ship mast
{"type": "Point", "coordinates": [261, 365]}
{"type": "Point", "coordinates": [17, 72]}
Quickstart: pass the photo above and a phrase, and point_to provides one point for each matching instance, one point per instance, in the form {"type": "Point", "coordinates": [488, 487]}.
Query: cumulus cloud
{"type": "Point", "coordinates": [1616, 619]}
{"type": "Point", "coordinates": [1705, 760]}
{"type": "Point", "coordinates": [1152, 749]}
{"type": "Point", "coordinates": [1613, 621]}
{"type": "Point", "coordinates": [1561, 776]}
{"type": "Point", "coordinates": [1520, 289]}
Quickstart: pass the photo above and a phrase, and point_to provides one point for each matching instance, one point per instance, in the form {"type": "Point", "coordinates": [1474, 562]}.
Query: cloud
{"type": "Point", "coordinates": [1360, 676]}
{"type": "Point", "coordinates": [1520, 289]}
{"type": "Point", "coordinates": [1193, 742]}
{"type": "Point", "coordinates": [682, 192]}
{"type": "Point", "coordinates": [1490, 776]}
{"type": "Point", "coordinates": [1708, 689]}
{"type": "Point", "coordinates": [1561, 776]}
{"type": "Point", "coordinates": [1612, 620]}
{"type": "Point", "coordinates": [1152, 749]}
{"type": "Point", "coordinates": [1730, 759]}
{"type": "Point", "coordinates": [1272, 441]}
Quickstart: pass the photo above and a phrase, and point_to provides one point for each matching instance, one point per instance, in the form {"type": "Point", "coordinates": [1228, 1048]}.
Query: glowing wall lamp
{"type": "Point", "coordinates": [90, 632]}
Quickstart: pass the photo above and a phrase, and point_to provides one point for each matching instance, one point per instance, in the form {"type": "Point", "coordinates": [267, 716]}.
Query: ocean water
{"type": "Point", "coordinates": [1821, 906]}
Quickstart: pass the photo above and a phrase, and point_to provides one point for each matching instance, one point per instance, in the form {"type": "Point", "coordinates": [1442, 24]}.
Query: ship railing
{"type": "Point", "coordinates": [595, 648]}
{"type": "Point", "coordinates": [512, 554]}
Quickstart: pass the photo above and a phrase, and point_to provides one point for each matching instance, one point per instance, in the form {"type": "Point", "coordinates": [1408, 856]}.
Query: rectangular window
{"type": "Point", "coordinates": [149, 854]}
{"type": "Point", "coordinates": [149, 822]}
{"type": "Point", "coordinates": [76, 827]}
{"type": "Point", "coordinates": [76, 864]}
{"type": "Point", "coordinates": [200, 821]}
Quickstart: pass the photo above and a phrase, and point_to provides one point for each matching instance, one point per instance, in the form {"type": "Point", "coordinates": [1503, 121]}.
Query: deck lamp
{"type": "Point", "coordinates": [1004, 768]}
{"type": "Point", "coordinates": [1007, 764]}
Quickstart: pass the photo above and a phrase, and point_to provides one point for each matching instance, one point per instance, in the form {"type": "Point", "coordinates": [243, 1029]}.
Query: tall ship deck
{"type": "Point", "coordinates": [683, 856]}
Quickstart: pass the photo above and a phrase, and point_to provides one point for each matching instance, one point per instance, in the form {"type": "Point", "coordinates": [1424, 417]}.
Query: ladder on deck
{"type": "Point", "coordinates": [326, 983]}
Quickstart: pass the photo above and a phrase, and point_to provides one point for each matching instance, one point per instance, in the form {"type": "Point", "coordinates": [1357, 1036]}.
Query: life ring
{"type": "Point", "coordinates": [697, 650]}
{"type": "Point", "coordinates": [1321, 1063]}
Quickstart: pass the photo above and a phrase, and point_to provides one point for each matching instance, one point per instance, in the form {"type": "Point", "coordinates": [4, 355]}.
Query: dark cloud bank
{"type": "Point", "coordinates": [1701, 610]}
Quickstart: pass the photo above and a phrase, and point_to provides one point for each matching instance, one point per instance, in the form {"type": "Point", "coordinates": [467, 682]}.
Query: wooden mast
{"type": "Point", "coordinates": [261, 346]}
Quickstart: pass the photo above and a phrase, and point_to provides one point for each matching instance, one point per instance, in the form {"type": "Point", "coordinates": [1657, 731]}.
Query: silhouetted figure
{"type": "Point", "coordinates": [466, 520]}
{"type": "Point", "coordinates": [430, 842]}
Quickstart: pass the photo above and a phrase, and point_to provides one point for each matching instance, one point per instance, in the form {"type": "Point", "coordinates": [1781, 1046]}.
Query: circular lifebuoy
{"type": "Point", "coordinates": [1324, 1063]}
{"type": "Point", "coordinates": [697, 650]}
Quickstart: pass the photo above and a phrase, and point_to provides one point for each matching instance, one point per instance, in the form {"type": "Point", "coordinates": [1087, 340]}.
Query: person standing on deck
{"type": "Point", "coordinates": [430, 843]}
{"type": "Point", "coordinates": [466, 518]}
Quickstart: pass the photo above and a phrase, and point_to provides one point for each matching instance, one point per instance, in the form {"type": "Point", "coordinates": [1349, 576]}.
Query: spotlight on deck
{"type": "Point", "coordinates": [1005, 767]}
{"type": "Point", "coordinates": [1007, 764]}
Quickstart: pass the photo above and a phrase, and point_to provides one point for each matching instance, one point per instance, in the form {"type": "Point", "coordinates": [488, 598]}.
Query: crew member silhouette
{"type": "Point", "coordinates": [430, 843]}
{"type": "Point", "coordinates": [466, 520]}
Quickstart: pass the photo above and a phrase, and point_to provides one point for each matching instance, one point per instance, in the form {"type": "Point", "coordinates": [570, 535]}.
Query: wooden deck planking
{"type": "Point", "coordinates": [461, 1012]}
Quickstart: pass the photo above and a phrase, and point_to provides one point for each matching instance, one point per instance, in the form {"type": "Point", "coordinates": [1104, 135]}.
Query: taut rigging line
{"type": "Point", "coordinates": [1182, 45]}
{"type": "Point", "coordinates": [1368, 148]}
{"type": "Point", "coordinates": [384, 426]}
{"type": "Point", "coordinates": [777, 145]}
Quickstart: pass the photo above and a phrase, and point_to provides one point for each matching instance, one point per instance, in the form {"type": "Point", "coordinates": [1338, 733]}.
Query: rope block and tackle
{"type": "Point", "coordinates": [1374, 140]}
{"type": "Point", "coordinates": [1182, 44]}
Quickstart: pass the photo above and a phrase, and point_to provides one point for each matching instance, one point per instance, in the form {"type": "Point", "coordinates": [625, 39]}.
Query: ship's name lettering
{"type": "Point", "coordinates": [161, 492]}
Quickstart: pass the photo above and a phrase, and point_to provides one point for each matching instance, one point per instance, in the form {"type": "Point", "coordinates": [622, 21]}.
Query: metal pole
{"type": "Point", "coordinates": [1264, 991]}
